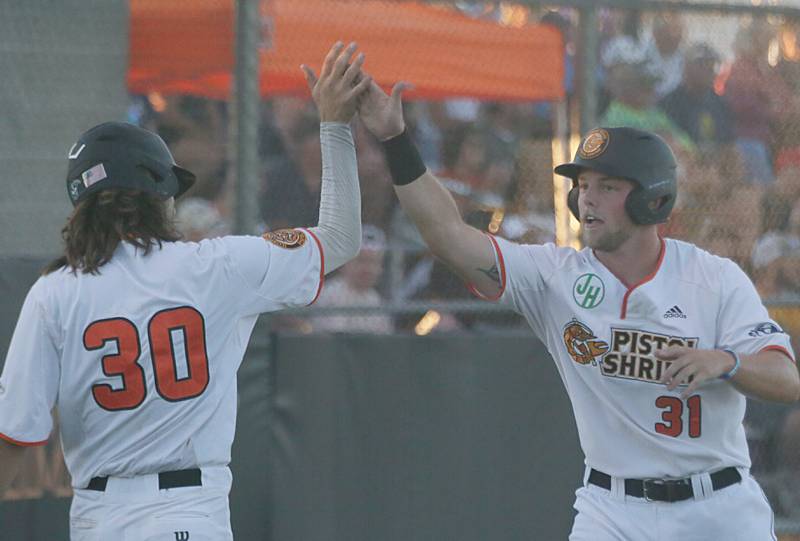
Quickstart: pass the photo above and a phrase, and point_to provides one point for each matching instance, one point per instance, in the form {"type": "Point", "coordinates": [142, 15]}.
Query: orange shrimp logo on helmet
{"type": "Point", "coordinates": [582, 345]}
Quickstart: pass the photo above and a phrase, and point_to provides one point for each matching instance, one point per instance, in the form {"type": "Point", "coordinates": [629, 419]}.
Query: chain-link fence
{"type": "Point", "coordinates": [720, 86]}
{"type": "Point", "coordinates": [719, 83]}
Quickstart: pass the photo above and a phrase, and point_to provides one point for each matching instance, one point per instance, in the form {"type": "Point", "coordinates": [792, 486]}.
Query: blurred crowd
{"type": "Point", "coordinates": [494, 157]}
{"type": "Point", "coordinates": [733, 124]}
{"type": "Point", "coordinates": [731, 116]}
{"type": "Point", "coordinates": [730, 113]}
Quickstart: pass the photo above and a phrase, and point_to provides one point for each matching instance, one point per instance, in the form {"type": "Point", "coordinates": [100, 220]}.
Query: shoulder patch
{"type": "Point", "coordinates": [286, 238]}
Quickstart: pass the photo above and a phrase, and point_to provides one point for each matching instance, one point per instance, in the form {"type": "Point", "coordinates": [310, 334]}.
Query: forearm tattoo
{"type": "Point", "coordinates": [492, 273]}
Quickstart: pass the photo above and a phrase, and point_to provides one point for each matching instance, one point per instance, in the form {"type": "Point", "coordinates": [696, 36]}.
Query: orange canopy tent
{"type": "Point", "coordinates": [188, 47]}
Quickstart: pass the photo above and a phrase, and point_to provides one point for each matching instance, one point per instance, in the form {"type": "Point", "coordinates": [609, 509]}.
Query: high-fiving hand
{"type": "Point", "coordinates": [381, 113]}
{"type": "Point", "coordinates": [340, 84]}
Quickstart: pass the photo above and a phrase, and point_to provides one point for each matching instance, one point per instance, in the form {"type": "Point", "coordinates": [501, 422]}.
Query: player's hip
{"type": "Point", "coordinates": [177, 506]}
{"type": "Point", "coordinates": [714, 509]}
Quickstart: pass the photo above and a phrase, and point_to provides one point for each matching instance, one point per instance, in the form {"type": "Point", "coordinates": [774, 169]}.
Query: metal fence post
{"type": "Point", "coordinates": [246, 115]}
{"type": "Point", "coordinates": [588, 42]}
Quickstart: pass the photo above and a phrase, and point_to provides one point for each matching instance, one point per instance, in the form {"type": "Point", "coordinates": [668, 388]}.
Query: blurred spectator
{"type": "Point", "coordinates": [757, 96]}
{"type": "Point", "coordinates": [426, 121]}
{"type": "Point", "coordinates": [619, 38]}
{"type": "Point", "coordinates": [462, 109]}
{"type": "Point", "coordinates": [715, 209]}
{"type": "Point", "coordinates": [787, 173]}
{"type": "Point", "coordinates": [699, 182]}
{"type": "Point", "coordinates": [195, 130]}
{"type": "Point", "coordinates": [723, 238]}
{"type": "Point", "coordinates": [377, 195]}
{"type": "Point", "coordinates": [199, 219]}
{"type": "Point", "coordinates": [776, 259]}
{"type": "Point", "coordinates": [664, 53]}
{"type": "Point", "coordinates": [624, 43]}
{"type": "Point", "coordinates": [291, 192]}
{"type": "Point", "coordinates": [695, 107]}
{"type": "Point", "coordinates": [543, 110]}
{"type": "Point", "coordinates": [776, 254]}
{"type": "Point", "coordinates": [632, 87]}
{"type": "Point", "coordinates": [281, 115]}
{"type": "Point", "coordinates": [355, 285]}
{"type": "Point", "coordinates": [464, 156]}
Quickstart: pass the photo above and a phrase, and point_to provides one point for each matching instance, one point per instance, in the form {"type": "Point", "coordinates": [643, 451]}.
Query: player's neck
{"type": "Point", "coordinates": [634, 260]}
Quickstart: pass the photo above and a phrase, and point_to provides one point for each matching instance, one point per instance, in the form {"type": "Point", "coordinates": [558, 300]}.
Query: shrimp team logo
{"type": "Point", "coordinates": [582, 345]}
{"type": "Point", "coordinates": [594, 144]}
{"type": "Point", "coordinates": [588, 291]}
{"type": "Point", "coordinates": [286, 238]}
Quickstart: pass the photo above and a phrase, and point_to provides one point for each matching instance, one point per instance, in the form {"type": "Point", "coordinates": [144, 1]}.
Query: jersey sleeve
{"type": "Point", "coordinates": [282, 269]}
{"type": "Point", "coordinates": [743, 323]}
{"type": "Point", "coordinates": [30, 379]}
{"type": "Point", "coordinates": [525, 270]}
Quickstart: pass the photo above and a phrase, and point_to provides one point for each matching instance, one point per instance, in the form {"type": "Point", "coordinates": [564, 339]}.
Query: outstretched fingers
{"type": "Point", "coordinates": [353, 72]}
{"type": "Point", "coordinates": [330, 59]}
{"type": "Point", "coordinates": [341, 64]}
{"type": "Point", "coordinates": [311, 77]}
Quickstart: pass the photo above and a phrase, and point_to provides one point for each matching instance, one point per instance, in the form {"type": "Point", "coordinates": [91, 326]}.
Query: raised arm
{"type": "Point", "coordinates": [336, 92]}
{"type": "Point", "coordinates": [463, 248]}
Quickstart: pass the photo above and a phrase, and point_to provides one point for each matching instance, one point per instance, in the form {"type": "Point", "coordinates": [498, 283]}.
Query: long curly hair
{"type": "Point", "coordinates": [104, 219]}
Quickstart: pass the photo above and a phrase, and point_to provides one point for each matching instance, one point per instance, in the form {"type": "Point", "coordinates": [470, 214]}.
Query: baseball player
{"type": "Point", "coordinates": [657, 341]}
{"type": "Point", "coordinates": [135, 338]}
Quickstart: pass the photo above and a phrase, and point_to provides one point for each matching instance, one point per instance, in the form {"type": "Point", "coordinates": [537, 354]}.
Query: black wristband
{"type": "Point", "coordinates": [405, 163]}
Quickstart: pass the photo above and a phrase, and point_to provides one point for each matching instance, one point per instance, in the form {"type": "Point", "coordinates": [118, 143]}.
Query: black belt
{"type": "Point", "coordinates": [666, 490]}
{"type": "Point", "coordinates": [166, 479]}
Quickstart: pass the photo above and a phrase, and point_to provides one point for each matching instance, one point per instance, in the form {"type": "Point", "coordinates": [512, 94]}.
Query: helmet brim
{"type": "Point", "coordinates": [186, 179]}
{"type": "Point", "coordinates": [569, 170]}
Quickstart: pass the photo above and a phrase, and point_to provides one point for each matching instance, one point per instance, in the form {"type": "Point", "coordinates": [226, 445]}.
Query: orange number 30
{"type": "Point", "coordinates": [125, 362]}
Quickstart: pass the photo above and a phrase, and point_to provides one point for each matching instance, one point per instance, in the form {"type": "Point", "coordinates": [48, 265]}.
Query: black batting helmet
{"type": "Point", "coordinates": [636, 155]}
{"type": "Point", "coordinates": [119, 155]}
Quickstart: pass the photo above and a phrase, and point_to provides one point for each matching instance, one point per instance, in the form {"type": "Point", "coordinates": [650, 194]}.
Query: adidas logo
{"type": "Point", "coordinates": [674, 312]}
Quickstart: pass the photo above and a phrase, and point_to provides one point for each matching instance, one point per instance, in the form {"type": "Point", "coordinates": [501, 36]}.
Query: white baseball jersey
{"type": "Point", "coordinates": [603, 335]}
{"type": "Point", "coordinates": [141, 359]}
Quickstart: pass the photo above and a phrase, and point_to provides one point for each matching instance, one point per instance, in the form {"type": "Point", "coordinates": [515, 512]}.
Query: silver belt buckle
{"type": "Point", "coordinates": [649, 482]}
{"type": "Point", "coordinates": [670, 485]}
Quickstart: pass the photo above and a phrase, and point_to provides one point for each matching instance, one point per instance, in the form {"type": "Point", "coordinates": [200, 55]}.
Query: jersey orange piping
{"type": "Point", "coordinates": [624, 309]}
{"type": "Point", "coordinates": [781, 349]}
{"type": "Point", "coordinates": [22, 443]}
{"type": "Point", "coordinates": [321, 265]}
{"type": "Point", "coordinates": [500, 259]}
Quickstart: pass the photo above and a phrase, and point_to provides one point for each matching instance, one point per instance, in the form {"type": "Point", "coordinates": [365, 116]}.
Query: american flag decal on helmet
{"type": "Point", "coordinates": [93, 175]}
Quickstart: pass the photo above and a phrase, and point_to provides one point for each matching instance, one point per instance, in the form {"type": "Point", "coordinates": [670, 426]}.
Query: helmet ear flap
{"type": "Point", "coordinates": [635, 205]}
{"type": "Point", "coordinates": [648, 206]}
{"type": "Point", "coordinates": [572, 201]}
